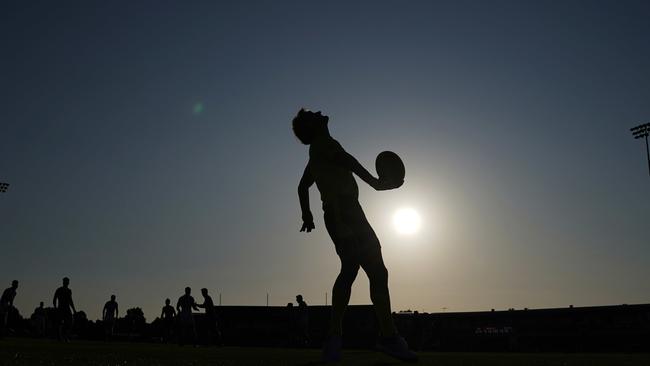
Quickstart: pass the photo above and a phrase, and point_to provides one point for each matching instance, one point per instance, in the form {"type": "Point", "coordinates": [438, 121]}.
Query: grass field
{"type": "Point", "coordinates": [14, 351]}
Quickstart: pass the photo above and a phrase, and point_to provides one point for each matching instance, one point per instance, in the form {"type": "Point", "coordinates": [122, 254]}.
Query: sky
{"type": "Point", "coordinates": [148, 147]}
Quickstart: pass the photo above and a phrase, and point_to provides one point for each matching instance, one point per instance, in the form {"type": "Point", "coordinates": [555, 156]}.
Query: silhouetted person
{"type": "Point", "coordinates": [291, 325]}
{"type": "Point", "coordinates": [65, 309]}
{"type": "Point", "coordinates": [185, 305]}
{"type": "Point", "coordinates": [109, 316]}
{"type": "Point", "coordinates": [302, 322]}
{"type": "Point", "coordinates": [214, 335]}
{"type": "Point", "coordinates": [6, 303]}
{"type": "Point", "coordinates": [168, 314]}
{"type": "Point", "coordinates": [40, 319]}
{"type": "Point", "coordinates": [356, 243]}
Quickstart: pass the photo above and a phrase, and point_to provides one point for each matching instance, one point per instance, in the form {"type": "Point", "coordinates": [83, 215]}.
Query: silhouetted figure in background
{"type": "Point", "coordinates": [168, 315]}
{"type": "Point", "coordinates": [302, 323]}
{"type": "Point", "coordinates": [6, 303]}
{"type": "Point", "coordinates": [185, 305]}
{"type": "Point", "coordinates": [109, 316]}
{"type": "Point", "coordinates": [40, 319]}
{"type": "Point", "coordinates": [291, 325]}
{"type": "Point", "coordinates": [357, 245]}
{"type": "Point", "coordinates": [214, 335]}
{"type": "Point", "coordinates": [65, 309]}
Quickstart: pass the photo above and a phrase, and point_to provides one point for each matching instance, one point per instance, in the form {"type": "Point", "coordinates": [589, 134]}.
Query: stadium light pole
{"type": "Point", "coordinates": [641, 131]}
{"type": "Point", "coordinates": [4, 187]}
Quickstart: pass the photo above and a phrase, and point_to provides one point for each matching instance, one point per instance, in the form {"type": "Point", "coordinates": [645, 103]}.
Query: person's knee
{"type": "Point", "coordinates": [348, 274]}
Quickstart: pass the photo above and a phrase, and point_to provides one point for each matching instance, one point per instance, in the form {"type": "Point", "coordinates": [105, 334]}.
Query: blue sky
{"type": "Point", "coordinates": [512, 118]}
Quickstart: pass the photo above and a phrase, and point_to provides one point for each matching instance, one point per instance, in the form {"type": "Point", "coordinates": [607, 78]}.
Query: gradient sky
{"type": "Point", "coordinates": [148, 147]}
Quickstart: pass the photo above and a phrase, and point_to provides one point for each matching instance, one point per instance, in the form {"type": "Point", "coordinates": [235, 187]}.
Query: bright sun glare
{"type": "Point", "coordinates": [407, 221]}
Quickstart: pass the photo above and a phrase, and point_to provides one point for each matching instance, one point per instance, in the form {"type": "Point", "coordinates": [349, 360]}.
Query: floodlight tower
{"type": "Point", "coordinates": [643, 131]}
{"type": "Point", "coordinates": [4, 187]}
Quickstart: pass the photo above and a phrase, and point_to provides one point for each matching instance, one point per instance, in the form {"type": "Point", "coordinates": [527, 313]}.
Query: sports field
{"type": "Point", "coordinates": [14, 351]}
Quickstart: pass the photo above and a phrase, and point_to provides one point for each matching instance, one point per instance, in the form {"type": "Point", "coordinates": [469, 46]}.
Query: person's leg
{"type": "Point", "coordinates": [372, 263]}
{"type": "Point", "coordinates": [341, 294]}
{"type": "Point", "coordinates": [379, 294]}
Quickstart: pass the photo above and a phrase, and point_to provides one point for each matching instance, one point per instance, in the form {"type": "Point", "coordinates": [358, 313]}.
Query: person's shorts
{"type": "Point", "coordinates": [353, 237]}
{"type": "Point", "coordinates": [65, 316]}
{"type": "Point", "coordinates": [186, 319]}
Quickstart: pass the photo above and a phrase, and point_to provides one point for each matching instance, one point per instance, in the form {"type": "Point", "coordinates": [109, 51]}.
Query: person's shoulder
{"type": "Point", "coordinates": [325, 146]}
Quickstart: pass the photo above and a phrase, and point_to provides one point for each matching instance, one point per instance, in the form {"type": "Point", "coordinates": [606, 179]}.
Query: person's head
{"type": "Point", "coordinates": [204, 292]}
{"type": "Point", "coordinates": [167, 301]}
{"type": "Point", "coordinates": [188, 290]}
{"type": "Point", "coordinates": [66, 281]}
{"type": "Point", "coordinates": [112, 297]}
{"type": "Point", "coordinates": [14, 284]}
{"type": "Point", "coordinates": [299, 298]}
{"type": "Point", "coordinates": [307, 125]}
{"type": "Point", "coordinates": [290, 305]}
{"type": "Point", "coordinates": [41, 304]}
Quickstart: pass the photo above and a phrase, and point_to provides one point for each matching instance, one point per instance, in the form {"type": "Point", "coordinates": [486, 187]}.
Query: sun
{"type": "Point", "coordinates": [407, 221]}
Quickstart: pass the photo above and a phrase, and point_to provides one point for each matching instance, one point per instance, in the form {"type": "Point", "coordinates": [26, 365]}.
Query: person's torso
{"type": "Point", "coordinates": [209, 305]}
{"type": "Point", "coordinates": [8, 296]}
{"type": "Point", "coordinates": [334, 181]}
{"type": "Point", "coordinates": [185, 303]}
{"type": "Point", "coordinates": [110, 307]}
{"type": "Point", "coordinates": [168, 311]}
{"type": "Point", "coordinates": [64, 296]}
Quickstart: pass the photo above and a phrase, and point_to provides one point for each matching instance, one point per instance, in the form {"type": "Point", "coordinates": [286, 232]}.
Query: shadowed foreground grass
{"type": "Point", "coordinates": [14, 351]}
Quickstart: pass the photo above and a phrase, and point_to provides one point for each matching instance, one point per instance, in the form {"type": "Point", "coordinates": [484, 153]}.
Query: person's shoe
{"type": "Point", "coordinates": [397, 347]}
{"type": "Point", "coordinates": [332, 349]}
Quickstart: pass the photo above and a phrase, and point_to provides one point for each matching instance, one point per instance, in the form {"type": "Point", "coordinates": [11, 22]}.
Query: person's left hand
{"type": "Point", "coordinates": [307, 226]}
{"type": "Point", "coordinates": [384, 184]}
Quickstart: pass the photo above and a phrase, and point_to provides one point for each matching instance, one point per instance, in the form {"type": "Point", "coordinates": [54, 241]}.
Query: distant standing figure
{"type": "Point", "coordinates": [109, 316]}
{"type": "Point", "coordinates": [6, 303]}
{"type": "Point", "coordinates": [40, 319]}
{"type": "Point", "coordinates": [291, 325]}
{"type": "Point", "coordinates": [303, 321]}
{"type": "Point", "coordinates": [167, 315]}
{"type": "Point", "coordinates": [214, 334]}
{"type": "Point", "coordinates": [65, 309]}
{"type": "Point", "coordinates": [185, 305]}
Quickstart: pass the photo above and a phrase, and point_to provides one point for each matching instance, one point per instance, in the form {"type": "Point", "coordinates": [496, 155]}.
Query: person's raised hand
{"type": "Point", "coordinates": [384, 184]}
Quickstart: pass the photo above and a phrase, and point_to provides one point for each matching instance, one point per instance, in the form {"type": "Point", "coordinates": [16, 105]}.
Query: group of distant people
{"type": "Point", "coordinates": [182, 315]}
{"type": "Point", "coordinates": [62, 303]}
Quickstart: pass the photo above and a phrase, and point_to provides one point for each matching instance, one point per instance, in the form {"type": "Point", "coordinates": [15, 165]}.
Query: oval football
{"type": "Point", "coordinates": [390, 166]}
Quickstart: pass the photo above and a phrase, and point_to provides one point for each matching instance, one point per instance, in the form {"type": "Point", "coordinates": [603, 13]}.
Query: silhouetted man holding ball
{"type": "Point", "coordinates": [356, 243]}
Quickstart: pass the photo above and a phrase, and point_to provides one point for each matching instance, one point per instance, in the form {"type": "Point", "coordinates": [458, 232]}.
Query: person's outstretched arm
{"type": "Point", "coordinates": [349, 161]}
{"type": "Point", "coordinates": [72, 304]}
{"type": "Point", "coordinates": [303, 195]}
